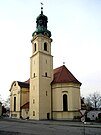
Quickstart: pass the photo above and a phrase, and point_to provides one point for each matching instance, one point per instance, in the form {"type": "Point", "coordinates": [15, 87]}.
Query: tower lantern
{"type": "Point", "coordinates": [41, 25]}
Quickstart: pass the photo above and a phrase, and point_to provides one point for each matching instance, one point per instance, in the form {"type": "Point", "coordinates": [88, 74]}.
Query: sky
{"type": "Point", "coordinates": [76, 32]}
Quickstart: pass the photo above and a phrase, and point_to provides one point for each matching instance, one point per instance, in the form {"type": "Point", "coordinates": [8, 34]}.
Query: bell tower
{"type": "Point", "coordinates": [41, 70]}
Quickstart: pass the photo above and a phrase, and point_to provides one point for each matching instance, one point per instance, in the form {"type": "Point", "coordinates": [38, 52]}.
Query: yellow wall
{"type": "Point", "coordinates": [41, 62]}
{"type": "Point", "coordinates": [25, 113]}
{"type": "Point", "coordinates": [22, 97]}
{"type": "Point", "coordinates": [15, 92]}
{"type": "Point", "coordinates": [73, 93]}
{"type": "Point", "coordinates": [65, 115]}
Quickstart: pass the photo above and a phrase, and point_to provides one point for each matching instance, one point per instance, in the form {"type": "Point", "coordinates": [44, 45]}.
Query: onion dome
{"type": "Point", "coordinates": [41, 25]}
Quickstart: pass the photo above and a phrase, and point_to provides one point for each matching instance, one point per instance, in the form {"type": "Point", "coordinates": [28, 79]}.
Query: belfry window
{"type": "Point", "coordinates": [65, 102]}
{"type": "Point", "coordinates": [34, 47]}
{"type": "Point", "coordinates": [45, 46]}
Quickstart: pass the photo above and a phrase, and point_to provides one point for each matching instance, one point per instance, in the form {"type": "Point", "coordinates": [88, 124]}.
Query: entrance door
{"type": "Point", "coordinates": [48, 116]}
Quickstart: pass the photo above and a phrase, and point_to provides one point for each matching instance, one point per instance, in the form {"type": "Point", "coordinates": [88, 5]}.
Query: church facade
{"type": "Point", "coordinates": [49, 93]}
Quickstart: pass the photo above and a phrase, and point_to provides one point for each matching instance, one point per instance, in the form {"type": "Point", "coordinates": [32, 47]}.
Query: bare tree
{"type": "Point", "coordinates": [94, 100]}
{"type": "Point", "coordinates": [0, 99]}
{"type": "Point", "coordinates": [6, 103]}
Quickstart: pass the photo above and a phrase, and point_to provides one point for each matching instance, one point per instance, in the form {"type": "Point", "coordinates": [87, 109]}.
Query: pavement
{"type": "Point", "coordinates": [57, 122]}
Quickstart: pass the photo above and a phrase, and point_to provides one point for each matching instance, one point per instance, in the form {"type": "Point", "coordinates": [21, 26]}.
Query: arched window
{"type": "Point", "coordinates": [45, 46]}
{"type": "Point", "coordinates": [14, 104]}
{"type": "Point", "coordinates": [65, 102]}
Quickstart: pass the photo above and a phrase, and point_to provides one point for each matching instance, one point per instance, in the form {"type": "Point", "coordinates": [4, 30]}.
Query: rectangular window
{"type": "Point", "coordinates": [33, 113]}
{"type": "Point", "coordinates": [14, 104]}
{"type": "Point", "coordinates": [34, 75]}
{"type": "Point", "coordinates": [45, 74]}
{"type": "Point", "coordinates": [46, 93]}
{"type": "Point", "coordinates": [33, 101]}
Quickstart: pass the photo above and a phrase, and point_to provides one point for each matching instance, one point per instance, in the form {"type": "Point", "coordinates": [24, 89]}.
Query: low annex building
{"type": "Point", "coordinates": [48, 94]}
{"type": "Point", "coordinates": [18, 98]}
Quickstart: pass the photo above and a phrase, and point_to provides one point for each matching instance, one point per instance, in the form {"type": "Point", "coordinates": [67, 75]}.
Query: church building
{"type": "Point", "coordinates": [48, 93]}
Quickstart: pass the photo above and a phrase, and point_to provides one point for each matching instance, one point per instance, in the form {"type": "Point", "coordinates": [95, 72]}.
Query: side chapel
{"type": "Point", "coordinates": [49, 93]}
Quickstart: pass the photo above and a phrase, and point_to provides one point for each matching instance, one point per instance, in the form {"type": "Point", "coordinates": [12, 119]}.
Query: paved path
{"type": "Point", "coordinates": [30, 127]}
{"type": "Point", "coordinates": [61, 123]}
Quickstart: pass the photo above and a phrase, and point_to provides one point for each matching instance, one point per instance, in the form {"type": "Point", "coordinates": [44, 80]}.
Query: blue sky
{"type": "Point", "coordinates": [76, 32]}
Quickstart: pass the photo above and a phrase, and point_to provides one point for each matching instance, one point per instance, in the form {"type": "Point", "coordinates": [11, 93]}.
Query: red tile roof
{"type": "Point", "coordinates": [63, 75]}
{"type": "Point", "coordinates": [26, 105]}
{"type": "Point", "coordinates": [60, 75]}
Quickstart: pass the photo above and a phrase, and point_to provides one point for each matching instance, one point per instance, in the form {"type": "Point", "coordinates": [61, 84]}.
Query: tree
{"type": "Point", "coordinates": [94, 100]}
{"type": "Point", "coordinates": [6, 103]}
{"type": "Point", "coordinates": [0, 99]}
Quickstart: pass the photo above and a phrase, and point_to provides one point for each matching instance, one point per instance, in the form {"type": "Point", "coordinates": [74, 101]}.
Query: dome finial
{"type": "Point", "coordinates": [41, 24]}
{"type": "Point", "coordinates": [41, 8]}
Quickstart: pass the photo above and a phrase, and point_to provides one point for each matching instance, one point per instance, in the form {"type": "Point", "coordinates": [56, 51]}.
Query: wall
{"type": "Point", "coordinates": [60, 115]}
{"type": "Point", "coordinates": [41, 62]}
{"type": "Point", "coordinates": [73, 93]}
{"type": "Point", "coordinates": [22, 97]}
{"type": "Point", "coordinates": [25, 113]}
{"type": "Point", "coordinates": [15, 92]}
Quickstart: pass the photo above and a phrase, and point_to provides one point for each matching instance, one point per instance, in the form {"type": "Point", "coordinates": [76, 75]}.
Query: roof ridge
{"type": "Point", "coordinates": [26, 82]}
{"type": "Point", "coordinates": [70, 74]}
{"type": "Point", "coordinates": [73, 75]}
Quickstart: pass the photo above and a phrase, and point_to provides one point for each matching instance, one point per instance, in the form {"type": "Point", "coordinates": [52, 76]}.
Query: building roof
{"type": "Point", "coordinates": [60, 75]}
{"type": "Point", "coordinates": [25, 106]}
{"type": "Point", "coordinates": [41, 25]}
{"type": "Point", "coordinates": [28, 81]}
{"type": "Point", "coordinates": [63, 75]}
{"type": "Point", "coordinates": [23, 84]}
